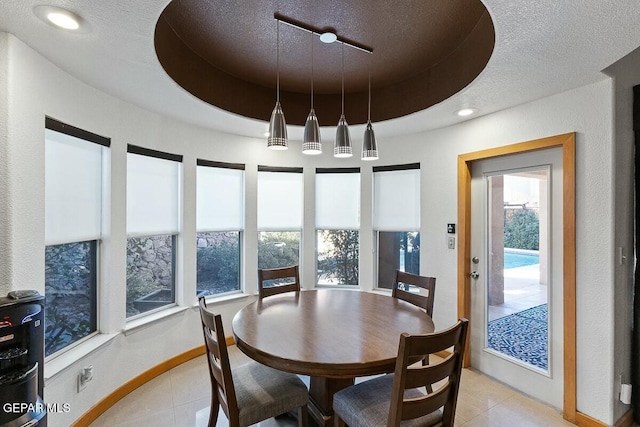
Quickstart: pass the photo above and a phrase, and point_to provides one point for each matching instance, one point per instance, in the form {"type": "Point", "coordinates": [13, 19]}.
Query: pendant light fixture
{"type": "Point", "coordinates": [369, 145]}
{"type": "Point", "coordinates": [311, 143]}
{"type": "Point", "coordinates": [277, 139]}
{"type": "Point", "coordinates": [342, 146]}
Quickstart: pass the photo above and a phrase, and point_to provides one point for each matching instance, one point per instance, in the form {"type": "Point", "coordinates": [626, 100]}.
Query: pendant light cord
{"type": "Point", "coordinates": [278, 61]}
{"type": "Point", "coordinates": [342, 78]}
{"type": "Point", "coordinates": [369, 104]}
{"type": "Point", "coordinates": [312, 70]}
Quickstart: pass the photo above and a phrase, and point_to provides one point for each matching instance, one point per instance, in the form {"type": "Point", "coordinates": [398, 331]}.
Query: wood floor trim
{"type": "Point", "coordinates": [567, 143]}
{"type": "Point", "coordinates": [626, 420]}
{"type": "Point", "coordinates": [112, 398]}
{"type": "Point", "coordinates": [583, 420]}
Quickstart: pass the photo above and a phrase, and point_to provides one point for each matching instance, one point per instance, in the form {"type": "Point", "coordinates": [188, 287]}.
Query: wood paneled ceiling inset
{"type": "Point", "coordinates": [424, 51]}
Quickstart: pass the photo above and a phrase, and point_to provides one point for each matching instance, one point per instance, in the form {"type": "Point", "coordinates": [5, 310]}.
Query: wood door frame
{"type": "Point", "coordinates": [567, 143]}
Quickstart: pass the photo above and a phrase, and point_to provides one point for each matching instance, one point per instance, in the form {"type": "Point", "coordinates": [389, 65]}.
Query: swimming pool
{"type": "Point", "coordinates": [519, 259]}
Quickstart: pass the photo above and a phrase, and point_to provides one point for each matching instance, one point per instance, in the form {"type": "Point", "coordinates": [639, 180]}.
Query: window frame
{"type": "Point", "coordinates": [175, 234]}
{"type": "Point", "coordinates": [377, 229]}
{"type": "Point", "coordinates": [318, 230]}
{"type": "Point", "coordinates": [241, 282]}
{"type": "Point", "coordinates": [95, 258]}
{"type": "Point", "coordinates": [299, 231]}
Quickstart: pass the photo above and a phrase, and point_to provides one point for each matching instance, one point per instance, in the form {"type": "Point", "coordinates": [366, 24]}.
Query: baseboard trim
{"type": "Point", "coordinates": [112, 398]}
{"type": "Point", "coordinates": [583, 420]}
{"type": "Point", "coordinates": [626, 420]}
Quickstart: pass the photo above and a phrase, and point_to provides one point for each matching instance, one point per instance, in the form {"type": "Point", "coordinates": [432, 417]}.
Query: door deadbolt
{"type": "Point", "coordinates": [475, 260]}
{"type": "Point", "coordinates": [474, 275]}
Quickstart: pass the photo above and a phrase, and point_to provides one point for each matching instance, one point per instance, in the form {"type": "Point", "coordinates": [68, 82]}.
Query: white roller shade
{"type": "Point", "coordinates": [396, 200]}
{"type": "Point", "coordinates": [280, 201]}
{"type": "Point", "coordinates": [152, 195]}
{"type": "Point", "coordinates": [73, 189]}
{"type": "Point", "coordinates": [220, 199]}
{"type": "Point", "coordinates": [338, 201]}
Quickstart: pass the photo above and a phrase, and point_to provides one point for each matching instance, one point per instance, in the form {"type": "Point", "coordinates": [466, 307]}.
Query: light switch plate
{"type": "Point", "coordinates": [451, 242]}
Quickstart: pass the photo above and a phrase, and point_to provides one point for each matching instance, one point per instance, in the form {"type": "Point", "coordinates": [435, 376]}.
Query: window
{"type": "Point", "coordinates": [153, 220]}
{"type": "Point", "coordinates": [73, 229]}
{"type": "Point", "coordinates": [396, 220]}
{"type": "Point", "coordinates": [219, 224]}
{"type": "Point", "coordinates": [337, 226]}
{"type": "Point", "coordinates": [280, 207]}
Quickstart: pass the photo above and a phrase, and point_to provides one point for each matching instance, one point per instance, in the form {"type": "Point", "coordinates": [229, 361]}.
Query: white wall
{"type": "Point", "coordinates": [4, 173]}
{"type": "Point", "coordinates": [38, 88]}
{"type": "Point", "coordinates": [626, 74]}
{"type": "Point", "coordinates": [588, 112]}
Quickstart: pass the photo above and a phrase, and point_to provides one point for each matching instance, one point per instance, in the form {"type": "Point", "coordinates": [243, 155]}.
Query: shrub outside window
{"type": "Point", "coordinates": [70, 293]}
{"type": "Point", "coordinates": [73, 228]}
{"type": "Point", "coordinates": [218, 266]}
{"type": "Point", "coordinates": [153, 198]}
{"type": "Point", "coordinates": [338, 257]}
{"type": "Point", "coordinates": [278, 249]}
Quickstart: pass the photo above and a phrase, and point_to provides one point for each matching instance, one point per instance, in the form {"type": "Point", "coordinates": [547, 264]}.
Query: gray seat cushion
{"type": "Point", "coordinates": [367, 404]}
{"type": "Point", "coordinates": [263, 392]}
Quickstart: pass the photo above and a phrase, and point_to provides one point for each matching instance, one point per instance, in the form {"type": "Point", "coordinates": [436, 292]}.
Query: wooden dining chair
{"type": "Point", "coordinates": [422, 282]}
{"type": "Point", "coordinates": [401, 290]}
{"type": "Point", "coordinates": [390, 399]}
{"type": "Point", "coordinates": [249, 393]}
{"type": "Point", "coordinates": [285, 279]}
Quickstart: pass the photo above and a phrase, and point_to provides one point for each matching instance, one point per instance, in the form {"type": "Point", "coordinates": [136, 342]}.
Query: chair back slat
{"type": "Point", "coordinates": [290, 274]}
{"type": "Point", "coordinates": [406, 377]}
{"type": "Point", "coordinates": [218, 361]}
{"type": "Point", "coordinates": [437, 342]}
{"type": "Point", "coordinates": [430, 374]}
{"type": "Point", "coordinates": [428, 284]}
{"type": "Point", "coordinates": [417, 407]}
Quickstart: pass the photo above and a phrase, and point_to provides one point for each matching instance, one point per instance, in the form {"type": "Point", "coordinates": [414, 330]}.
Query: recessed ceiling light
{"type": "Point", "coordinates": [61, 18]}
{"type": "Point", "coordinates": [328, 37]}
{"type": "Point", "coordinates": [465, 112]}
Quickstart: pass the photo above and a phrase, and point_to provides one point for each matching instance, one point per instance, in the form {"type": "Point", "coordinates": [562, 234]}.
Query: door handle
{"type": "Point", "coordinates": [474, 275]}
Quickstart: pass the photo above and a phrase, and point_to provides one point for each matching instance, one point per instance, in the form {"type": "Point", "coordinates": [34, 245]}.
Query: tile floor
{"type": "Point", "coordinates": [180, 397]}
{"type": "Point", "coordinates": [522, 290]}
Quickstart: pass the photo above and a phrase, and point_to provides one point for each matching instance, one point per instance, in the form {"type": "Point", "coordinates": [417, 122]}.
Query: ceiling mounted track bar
{"type": "Point", "coordinates": [304, 27]}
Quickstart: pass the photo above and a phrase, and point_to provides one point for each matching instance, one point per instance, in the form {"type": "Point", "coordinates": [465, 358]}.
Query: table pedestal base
{"type": "Point", "coordinates": [321, 393]}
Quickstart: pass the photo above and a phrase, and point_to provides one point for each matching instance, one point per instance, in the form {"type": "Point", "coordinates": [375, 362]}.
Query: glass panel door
{"type": "Point", "coordinates": [517, 272]}
{"type": "Point", "coordinates": [517, 292]}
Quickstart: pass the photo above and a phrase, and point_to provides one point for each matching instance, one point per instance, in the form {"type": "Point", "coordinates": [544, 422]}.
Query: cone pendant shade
{"type": "Point", "coordinates": [277, 130]}
{"type": "Point", "coordinates": [369, 145]}
{"type": "Point", "coordinates": [311, 143]}
{"type": "Point", "coordinates": [342, 147]}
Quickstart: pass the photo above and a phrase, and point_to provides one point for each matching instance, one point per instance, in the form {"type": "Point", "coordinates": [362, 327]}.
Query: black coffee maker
{"type": "Point", "coordinates": [22, 359]}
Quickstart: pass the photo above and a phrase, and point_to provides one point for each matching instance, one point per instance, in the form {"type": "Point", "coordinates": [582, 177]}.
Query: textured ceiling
{"type": "Point", "coordinates": [225, 53]}
{"type": "Point", "coordinates": [541, 48]}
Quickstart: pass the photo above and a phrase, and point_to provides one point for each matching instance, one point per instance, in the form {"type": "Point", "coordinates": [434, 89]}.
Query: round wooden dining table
{"type": "Point", "coordinates": [331, 335]}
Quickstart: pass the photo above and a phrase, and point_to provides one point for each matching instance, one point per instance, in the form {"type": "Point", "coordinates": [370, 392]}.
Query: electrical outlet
{"type": "Point", "coordinates": [84, 377]}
